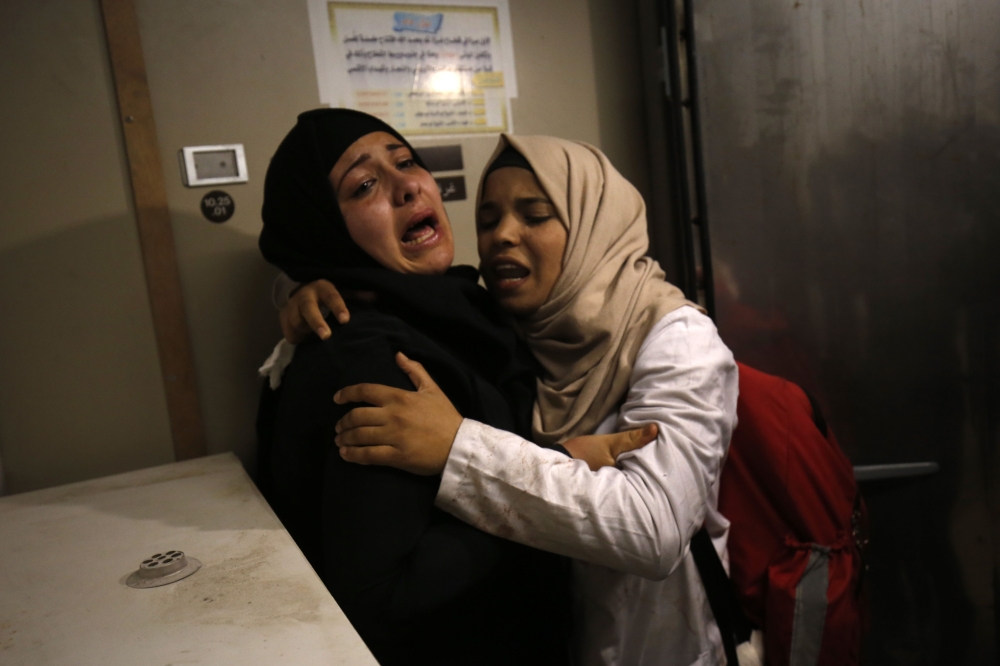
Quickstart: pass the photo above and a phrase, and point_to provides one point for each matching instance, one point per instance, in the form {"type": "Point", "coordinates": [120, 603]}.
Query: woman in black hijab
{"type": "Point", "coordinates": [348, 200]}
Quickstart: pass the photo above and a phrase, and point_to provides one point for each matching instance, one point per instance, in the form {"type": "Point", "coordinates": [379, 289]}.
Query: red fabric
{"type": "Point", "coordinates": [786, 486]}
{"type": "Point", "coordinates": [784, 575]}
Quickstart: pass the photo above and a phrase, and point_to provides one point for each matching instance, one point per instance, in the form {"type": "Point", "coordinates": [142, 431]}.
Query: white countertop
{"type": "Point", "coordinates": [65, 554]}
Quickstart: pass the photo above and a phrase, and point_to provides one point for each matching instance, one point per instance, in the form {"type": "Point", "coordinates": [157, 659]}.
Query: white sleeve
{"type": "Point", "coordinates": [639, 516]}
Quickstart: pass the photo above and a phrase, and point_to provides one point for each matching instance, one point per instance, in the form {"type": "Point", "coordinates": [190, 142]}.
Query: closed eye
{"type": "Point", "coordinates": [536, 219]}
{"type": "Point", "coordinates": [489, 215]}
{"type": "Point", "coordinates": [535, 210]}
{"type": "Point", "coordinates": [484, 223]}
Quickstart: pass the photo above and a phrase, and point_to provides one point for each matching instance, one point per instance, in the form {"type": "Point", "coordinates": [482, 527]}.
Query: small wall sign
{"type": "Point", "coordinates": [213, 165]}
{"type": "Point", "coordinates": [452, 188]}
{"type": "Point", "coordinates": [442, 158]}
{"type": "Point", "coordinates": [217, 206]}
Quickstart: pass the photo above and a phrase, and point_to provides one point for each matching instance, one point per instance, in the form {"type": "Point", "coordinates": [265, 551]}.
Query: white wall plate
{"type": "Point", "coordinates": [213, 165]}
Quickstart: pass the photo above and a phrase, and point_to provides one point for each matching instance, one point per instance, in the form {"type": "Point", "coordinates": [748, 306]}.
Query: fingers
{"type": "Point", "coordinates": [417, 373]}
{"type": "Point", "coordinates": [309, 308]}
{"type": "Point", "coordinates": [366, 436]}
{"type": "Point", "coordinates": [373, 394]}
{"type": "Point", "coordinates": [287, 330]}
{"type": "Point", "coordinates": [645, 435]}
{"type": "Point", "coordinates": [332, 299]}
{"type": "Point", "coordinates": [304, 309]}
{"type": "Point", "coordinates": [595, 450]}
{"type": "Point", "coordinates": [370, 455]}
{"type": "Point", "coordinates": [360, 417]}
{"type": "Point", "coordinates": [292, 326]}
{"type": "Point", "coordinates": [630, 440]}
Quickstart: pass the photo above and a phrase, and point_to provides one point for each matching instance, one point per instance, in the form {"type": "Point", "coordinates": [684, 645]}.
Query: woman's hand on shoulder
{"type": "Point", "coordinates": [302, 316]}
{"type": "Point", "coordinates": [409, 430]}
{"type": "Point", "coordinates": [603, 450]}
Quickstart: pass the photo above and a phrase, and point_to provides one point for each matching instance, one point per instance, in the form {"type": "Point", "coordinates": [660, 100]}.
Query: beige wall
{"type": "Point", "coordinates": [233, 72]}
{"type": "Point", "coordinates": [80, 394]}
{"type": "Point", "coordinates": [618, 79]}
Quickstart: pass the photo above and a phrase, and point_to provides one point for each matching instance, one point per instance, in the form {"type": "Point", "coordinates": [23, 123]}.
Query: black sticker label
{"type": "Point", "coordinates": [452, 188]}
{"type": "Point", "coordinates": [441, 158]}
{"type": "Point", "coordinates": [217, 206]}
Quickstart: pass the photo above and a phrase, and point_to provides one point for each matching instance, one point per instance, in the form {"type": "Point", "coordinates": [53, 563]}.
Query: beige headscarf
{"type": "Point", "coordinates": [588, 333]}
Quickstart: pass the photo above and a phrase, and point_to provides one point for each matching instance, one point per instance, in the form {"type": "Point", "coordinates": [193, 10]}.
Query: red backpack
{"type": "Point", "coordinates": [796, 535]}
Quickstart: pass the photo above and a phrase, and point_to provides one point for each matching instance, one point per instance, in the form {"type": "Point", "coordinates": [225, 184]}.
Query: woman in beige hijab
{"type": "Point", "coordinates": [562, 240]}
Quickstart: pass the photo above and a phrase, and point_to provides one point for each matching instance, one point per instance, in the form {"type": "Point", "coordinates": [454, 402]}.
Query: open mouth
{"type": "Point", "coordinates": [422, 228]}
{"type": "Point", "coordinates": [509, 274]}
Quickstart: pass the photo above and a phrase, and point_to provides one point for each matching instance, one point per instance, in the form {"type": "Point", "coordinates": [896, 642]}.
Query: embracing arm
{"type": "Point", "coordinates": [414, 430]}
{"type": "Point", "coordinates": [637, 518]}
{"type": "Point", "coordinates": [384, 550]}
{"type": "Point", "coordinates": [301, 306]}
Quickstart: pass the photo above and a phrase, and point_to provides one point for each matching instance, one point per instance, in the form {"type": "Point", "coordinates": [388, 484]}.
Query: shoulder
{"type": "Point", "coordinates": [363, 350]}
{"type": "Point", "coordinates": [684, 347]}
{"type": "Point", "coordinates": [368, 328]}
{"type": "Point", "coordinates": [684, 332]}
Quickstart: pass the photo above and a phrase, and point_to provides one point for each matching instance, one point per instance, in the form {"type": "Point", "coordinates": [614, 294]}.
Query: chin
{"type": "Point", "coordinates": [513, 305]}
{"type": "Point", "coordinates": [435, 262]}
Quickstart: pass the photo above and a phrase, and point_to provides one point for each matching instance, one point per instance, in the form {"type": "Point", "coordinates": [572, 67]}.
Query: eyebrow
{"type": "Point", "coordinates": [358, 162]}
{"type": "Point", "coordinates": [390, 147]}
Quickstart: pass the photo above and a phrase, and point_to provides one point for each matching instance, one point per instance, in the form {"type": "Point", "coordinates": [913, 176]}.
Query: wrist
{"type": "Point", "coordinates": [451, 441]}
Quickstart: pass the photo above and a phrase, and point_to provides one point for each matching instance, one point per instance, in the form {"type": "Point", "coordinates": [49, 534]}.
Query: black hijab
{"type": "Point", "coordinates": [304, 232]}
{"type": "Point", "coordinates": [305, 235]}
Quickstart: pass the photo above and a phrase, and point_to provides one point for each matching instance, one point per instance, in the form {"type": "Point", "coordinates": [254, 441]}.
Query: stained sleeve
{"type": "Point", "coordinates": [637, 517]}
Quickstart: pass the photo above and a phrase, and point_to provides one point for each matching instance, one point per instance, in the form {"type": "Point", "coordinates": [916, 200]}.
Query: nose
{"type": "Point", "coordinates": [507, 232]}
{"type": "Point", "coordinates": [406, 188]}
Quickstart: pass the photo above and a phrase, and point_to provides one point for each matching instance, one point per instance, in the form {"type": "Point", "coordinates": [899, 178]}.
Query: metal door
{"type": "Point", "coordinates": [851, 157]}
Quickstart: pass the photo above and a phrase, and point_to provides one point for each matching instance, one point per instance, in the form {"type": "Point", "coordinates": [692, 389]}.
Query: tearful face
{"type": "Point", "coordinates": [392, 206]}
{"type": "Point", "coordinates": [521, 240]}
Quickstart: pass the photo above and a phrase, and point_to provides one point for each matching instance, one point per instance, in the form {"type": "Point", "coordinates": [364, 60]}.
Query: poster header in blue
{"type": "Point", "coordinates": [412, 22]}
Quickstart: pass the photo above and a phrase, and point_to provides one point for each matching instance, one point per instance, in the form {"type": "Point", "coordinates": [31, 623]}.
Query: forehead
{"type": "Point", "coordinates": [372, 141]}
{"type": "Point", "coordinates": [511, 183]}
{"type": "Point", "coordinates": [375, 144]}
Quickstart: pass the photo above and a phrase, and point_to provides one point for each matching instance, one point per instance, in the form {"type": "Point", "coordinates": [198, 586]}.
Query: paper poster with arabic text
{"type": "Point", "coordinates": [426, 69]}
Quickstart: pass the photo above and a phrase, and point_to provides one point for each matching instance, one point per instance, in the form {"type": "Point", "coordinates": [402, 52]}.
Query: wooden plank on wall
{"type": "Point", "coordinates": [156, 236]}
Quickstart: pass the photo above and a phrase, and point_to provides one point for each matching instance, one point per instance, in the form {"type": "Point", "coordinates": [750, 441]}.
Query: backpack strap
{"type": "Point", "coordinates": [733, 624]}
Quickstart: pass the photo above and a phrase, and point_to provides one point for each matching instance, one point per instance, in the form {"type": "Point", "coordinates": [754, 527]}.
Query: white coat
{"type": "Point", "coordinates": [639, 598]}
